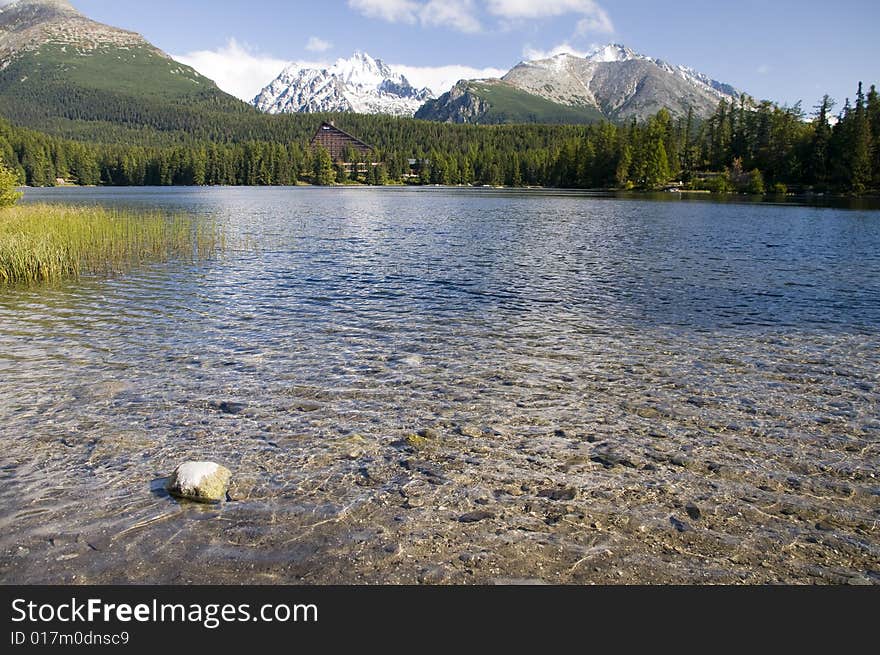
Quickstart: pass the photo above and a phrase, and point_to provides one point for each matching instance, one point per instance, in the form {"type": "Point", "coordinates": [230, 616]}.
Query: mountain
{"type": "Point", "coordinates": [496, 102]}
{"type": "Point", "coordinates": [613, 83]}
{"type": "Point", "coordinates": [360, 84]}
{"type": "Point", "coordinates": [58, 67]}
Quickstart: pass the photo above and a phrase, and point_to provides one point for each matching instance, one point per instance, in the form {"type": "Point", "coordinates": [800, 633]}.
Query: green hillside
{"type": "Point", "coordinates": [494, 102]}
{"type": "Point", "coordinates": [133, 86]}
{"type": "Point", "coordinates": [508, 105]}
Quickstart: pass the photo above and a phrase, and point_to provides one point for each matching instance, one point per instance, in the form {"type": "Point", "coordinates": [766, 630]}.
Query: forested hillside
{"type": "Point", "coordinates": [748, 147]}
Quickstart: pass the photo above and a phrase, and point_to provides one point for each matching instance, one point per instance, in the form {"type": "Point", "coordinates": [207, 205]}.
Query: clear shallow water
{"type": "Point", "coordinates": [644, 355]}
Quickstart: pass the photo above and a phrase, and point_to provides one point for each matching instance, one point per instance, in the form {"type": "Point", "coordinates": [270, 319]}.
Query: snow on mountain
{"type": "Point", "coordinates": [620, 82]}
{"type": "Point", "coordinates": [360, 84]}
{"type": "Point", "coordinates": [613, 52]}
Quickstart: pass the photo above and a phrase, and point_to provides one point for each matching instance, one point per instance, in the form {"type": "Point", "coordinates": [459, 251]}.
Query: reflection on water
{"type": "Point", "coordinates": [648, 355]}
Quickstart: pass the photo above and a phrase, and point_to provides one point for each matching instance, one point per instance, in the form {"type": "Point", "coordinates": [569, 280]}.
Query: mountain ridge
{"type": "Point", "coordinates": [359, 84]}
{"type": "Point", "coordinates": [613, 80]}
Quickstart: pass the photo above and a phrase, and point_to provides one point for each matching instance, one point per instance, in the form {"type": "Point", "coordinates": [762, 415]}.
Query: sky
{"type": "Point", "coordinates": [782, 50]}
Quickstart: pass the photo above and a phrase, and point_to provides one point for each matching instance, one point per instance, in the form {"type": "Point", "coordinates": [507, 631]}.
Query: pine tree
{"type": "Point", "coordinates": [687, 154]}
{"type": "Point", "coordinates": [467, 171]}
{"type": "Point", "coordinates": [514, 177]}
{"type": "Point", "coordinates": [495, 176]}
{"type": "Point", "coordinates": [352, 159]}
{"type": "Point", "coordinates": [817, 165]}
{"type": "Point", "coordinates": [657, 167]}
{"type": "Point", "coordinates": [860, 144]}
{"type": "Point", "coordinates": [621, 175]}
{"type": "Point", "coordinates": [874, 121]}
{"type": "Point", "coordinates": [425, 172]}
{"type": "Point", "coordinates": [380, 175]}
{"type": "Point", "coordinates": [586, 156]}
{"type": "Point", "coordinates": [721, 136]}
{"type": "Point", "coordinates": [322, 170]}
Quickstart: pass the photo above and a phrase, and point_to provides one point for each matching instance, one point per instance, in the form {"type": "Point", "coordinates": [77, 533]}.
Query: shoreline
{"type": "Point", "coordinates": [865, 202]}
{"type": "Point", "coordinates": [873, 195]}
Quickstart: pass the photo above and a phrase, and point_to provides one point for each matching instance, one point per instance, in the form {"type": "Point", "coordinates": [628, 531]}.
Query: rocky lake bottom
{"type": "Point", "coordinates": [415, 388]}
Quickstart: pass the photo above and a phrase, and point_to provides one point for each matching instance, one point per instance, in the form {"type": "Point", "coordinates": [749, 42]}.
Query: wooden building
{"type": "Point", "coordinates": [339, 143]}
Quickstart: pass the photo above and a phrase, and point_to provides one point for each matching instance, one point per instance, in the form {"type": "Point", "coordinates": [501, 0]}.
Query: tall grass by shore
{"type": "Point", "coordinates": [46, 243]}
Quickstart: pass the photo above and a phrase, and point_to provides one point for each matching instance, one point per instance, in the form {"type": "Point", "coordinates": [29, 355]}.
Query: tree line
{"type": "Point", "coordinates": [746, 146]}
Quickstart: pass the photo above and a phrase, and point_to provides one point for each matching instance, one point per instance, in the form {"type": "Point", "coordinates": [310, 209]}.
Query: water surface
{"type": "Point", "coordinates": [623, 389]}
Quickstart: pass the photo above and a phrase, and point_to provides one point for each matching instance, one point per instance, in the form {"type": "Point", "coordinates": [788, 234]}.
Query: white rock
{"type": "Point", "coordinates": [205, 482]}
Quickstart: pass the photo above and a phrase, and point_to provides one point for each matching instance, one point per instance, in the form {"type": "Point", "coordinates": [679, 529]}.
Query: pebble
{"type": "Point", "coordinates": [609, 458]}
{"type": "Point", "coordinates": [509, 490]}
{"type": "Point", "coordinates": [558, 493]}
{"type": "Point", "coordinates": [433, 575]}
{"type": "Point", "coordinates": [228, 407]}
{"type": "Point", "coordinates": [476, 516]}
{"type": "Point", "coordinates": [680, 526]}
{"type": "Point", "coordinates": [693, 511]}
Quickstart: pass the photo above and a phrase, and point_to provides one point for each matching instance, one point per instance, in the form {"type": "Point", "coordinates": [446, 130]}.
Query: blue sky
{"type": "Point", "coordinates": [778, 49]}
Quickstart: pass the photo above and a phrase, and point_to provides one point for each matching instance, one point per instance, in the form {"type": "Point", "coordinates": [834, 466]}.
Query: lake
{"type": "Point", "coordinates": [454, 386]}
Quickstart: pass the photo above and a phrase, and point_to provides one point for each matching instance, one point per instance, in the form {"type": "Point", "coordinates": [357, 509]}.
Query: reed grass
{"type": "Point", "coordinates": [47, 243]}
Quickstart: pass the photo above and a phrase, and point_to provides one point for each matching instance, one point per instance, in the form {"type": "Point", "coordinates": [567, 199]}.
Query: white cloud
{"type": "Point", "coordinates": [600, 22]}
{"type": "Point", "coordinates": [318, 45]}
{"type": "Point", "coordinates": [532, 54]}
{"type": "Point", "coordinates": [244, 73]}
{"type": "Point", "coordinates": [457, 14]}
{"type": "Point", "coordinates": [593, 17]}
{"type": "Point", "coordinates": [442, 78]}
{"type": "Point", "coordinates": [393, 11]}
{"type": "Point", "coordinates": [462, 15]}
{"type": "Point", "coordinates": [236, 69]}
{"type": "Point", "coordinates": [763, 69]}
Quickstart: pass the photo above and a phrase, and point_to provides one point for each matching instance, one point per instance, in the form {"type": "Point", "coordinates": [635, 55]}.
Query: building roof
{"type": "Point", "coordinates": [337, 141]}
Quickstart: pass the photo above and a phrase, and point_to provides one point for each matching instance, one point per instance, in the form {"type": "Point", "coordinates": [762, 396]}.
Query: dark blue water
{"type": "Point", "coordinates": [598, 261]}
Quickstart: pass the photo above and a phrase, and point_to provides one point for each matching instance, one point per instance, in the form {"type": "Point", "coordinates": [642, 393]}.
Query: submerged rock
{"type": "Point", "coordinates": [470, 430]}
{"type": "Point", "coordinates": [227, 406]}
{"type": "Point", "coordinates": [476, 517]}
{"type": "Point", "coordinates": [204, 482]}
{"type": "Point", "coordinates": [412, 442]}
{"type": "Point", "coordinates": [693, 511]}
{"type": "Point", "coordinates": [558, 493]}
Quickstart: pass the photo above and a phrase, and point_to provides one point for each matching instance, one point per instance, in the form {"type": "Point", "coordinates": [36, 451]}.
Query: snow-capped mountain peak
{"type": "Point", "coordinates": [361, 69]}
{"type": "Point", "coordinates": [360, 84]}
{"type": "Point", "coordinates": [620, 83]}
{"type": "Point", "coordinates": [613, 52]}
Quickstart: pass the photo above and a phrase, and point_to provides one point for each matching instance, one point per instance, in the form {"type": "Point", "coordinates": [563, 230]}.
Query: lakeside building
{"type": "Point", "coordinates": [341, 145]}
